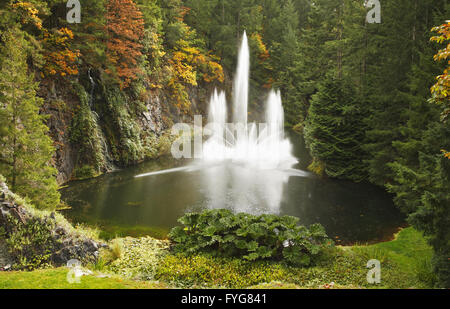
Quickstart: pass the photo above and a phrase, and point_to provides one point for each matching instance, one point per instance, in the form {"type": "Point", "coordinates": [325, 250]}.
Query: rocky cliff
{"type": "Point", "coordinates": [35, 238]}
{"type": "Point", "coordinates": [97, 127]}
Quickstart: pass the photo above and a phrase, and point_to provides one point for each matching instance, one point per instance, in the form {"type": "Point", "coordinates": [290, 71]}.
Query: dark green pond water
{"type": "Point", "coordinates": [124, 205]}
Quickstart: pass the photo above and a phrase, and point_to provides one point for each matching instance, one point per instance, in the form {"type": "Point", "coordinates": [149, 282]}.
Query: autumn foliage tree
{"type": "Point", "coordinates": [60, 58]}
{"type": "Point", "coordinates": [125, 26]}
{"type": "Point", "coordinates": [441, 90]}
{"type": "Point", "coordinates": [27, 13]}
{"type": "Point", "coordinates": [187, 65]}
{"type": "Point", "coordinates": [189, 62]}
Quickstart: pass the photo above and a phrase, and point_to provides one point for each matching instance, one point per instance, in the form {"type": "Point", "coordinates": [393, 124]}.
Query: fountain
{"type": "Point", "coordinates": [253, 163]}
{"type": "Point", "coordinates": [243, 166]}
{"type": "Point", "coordinates": [263, 146]}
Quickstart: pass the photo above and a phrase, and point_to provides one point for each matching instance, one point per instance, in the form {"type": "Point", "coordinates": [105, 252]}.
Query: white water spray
{"type": "Point", "coordinates": [241, 84]}
{"type": "Point", "coordinates": [263, 146]}
{"type": "Point", "coordinates": [244, 166]}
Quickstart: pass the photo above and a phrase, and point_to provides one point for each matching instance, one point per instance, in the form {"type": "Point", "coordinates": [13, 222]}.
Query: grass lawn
{"type": "Point", "coordinates": [57, 279]}
{"type": "Point", "coordinates": [408, 255]}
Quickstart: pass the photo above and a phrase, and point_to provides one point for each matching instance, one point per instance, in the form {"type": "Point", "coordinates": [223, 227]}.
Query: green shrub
{"type": "Point", "coordinates": [85, 172]}
{"type": "Point", "coordinates": [31, 243]}
{"type": "Point", "coordinates": [222, 233]}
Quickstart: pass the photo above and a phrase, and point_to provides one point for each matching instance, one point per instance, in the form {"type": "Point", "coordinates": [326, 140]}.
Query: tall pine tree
{"type": "Point", "coordinates": [25, 149]}
{"type": "Point", "coordinates": [334, 131]}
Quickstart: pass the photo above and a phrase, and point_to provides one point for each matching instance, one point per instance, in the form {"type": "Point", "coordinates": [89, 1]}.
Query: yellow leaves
{"type": "Point", "coordinates": [441, 89]}
{"type": "Point", "coordinates": [443, 30]}
{"type": "Point", "coordinates": [182, 68]}
{"type": "Point", "coordinates": [155, 86]}
{"type": "Point", "coordinates": [191, 51]}
{"type": "Point", "coordinates": [182, 65]}
{"type": "Point", "coordinates": [263, 52]}
{"type": "Point", "coordinates": [446, 154]}
{"type": "Point", "coordinates": [59, 58]}
{"type": "Point", "coordinates": [185, 64]}
{"type": "Point", "coordinates": [180, 96]}
{"type": "Point", "coordinates": [65, 32]}
{"type": "Point", "coordinates": [28, 13]}
{"type": "Point", "coordinates": [26, 6]}
{"type": "Point", "coordinates": [216, 71]}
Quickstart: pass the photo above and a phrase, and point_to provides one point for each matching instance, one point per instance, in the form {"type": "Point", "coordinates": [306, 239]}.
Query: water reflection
{"type": "Point", "coordinates": [350, 211]}
{"type": "Point", "coordinates": [243, 189]}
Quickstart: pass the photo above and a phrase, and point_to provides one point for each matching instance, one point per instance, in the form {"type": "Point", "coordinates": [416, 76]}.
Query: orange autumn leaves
{"type": "Point", "coordinates": [59, 58]}
{"type": "Point", "coordinates": [125, 26]}
{"type": "Point", "coordinates": [185, 64]}
{"type": "Point", "coordinates": [446, 154]}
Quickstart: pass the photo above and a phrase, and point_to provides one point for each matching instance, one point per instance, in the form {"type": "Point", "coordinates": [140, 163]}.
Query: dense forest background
{"type": "Point", "coordinates": [77, 99]}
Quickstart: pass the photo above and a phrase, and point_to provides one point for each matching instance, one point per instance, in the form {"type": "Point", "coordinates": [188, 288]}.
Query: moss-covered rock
{"type": "Point", "coordinates": [87, 138]}
{"type": "Point", "coordinates": [37, 239]}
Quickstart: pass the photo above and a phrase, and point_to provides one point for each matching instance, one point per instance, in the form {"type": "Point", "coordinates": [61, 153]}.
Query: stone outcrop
{"type": "Point", "coordinates": [62, 240]}
{"type": "Point", "coordinates": [61, 103]}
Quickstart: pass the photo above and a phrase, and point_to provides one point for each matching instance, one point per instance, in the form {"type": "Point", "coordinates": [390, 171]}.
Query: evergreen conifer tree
{"type": "Point", "coordinates": [25, 149]}
{"type": "Point", "coordinates": [334, 130]}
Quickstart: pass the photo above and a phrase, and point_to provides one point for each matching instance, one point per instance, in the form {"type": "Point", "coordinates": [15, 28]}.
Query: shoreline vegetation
{"type": "Point", "coordinates": [149, 263]}
{"type": "Point", "coordinates": [146, 263]}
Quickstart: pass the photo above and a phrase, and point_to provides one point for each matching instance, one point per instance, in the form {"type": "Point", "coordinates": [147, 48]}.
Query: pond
{"type": "Point", "coordinates": [121, 204]}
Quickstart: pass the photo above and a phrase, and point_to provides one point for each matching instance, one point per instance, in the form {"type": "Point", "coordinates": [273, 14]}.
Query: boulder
{"type": "Point", "coordinates": [65, 243]}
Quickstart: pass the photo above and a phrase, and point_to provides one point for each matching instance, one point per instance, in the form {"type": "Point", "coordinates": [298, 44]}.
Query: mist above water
{"type": "Point", "coordinates": [244, 167]}
{"type": "Point", "coordinates": [261, 146]}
